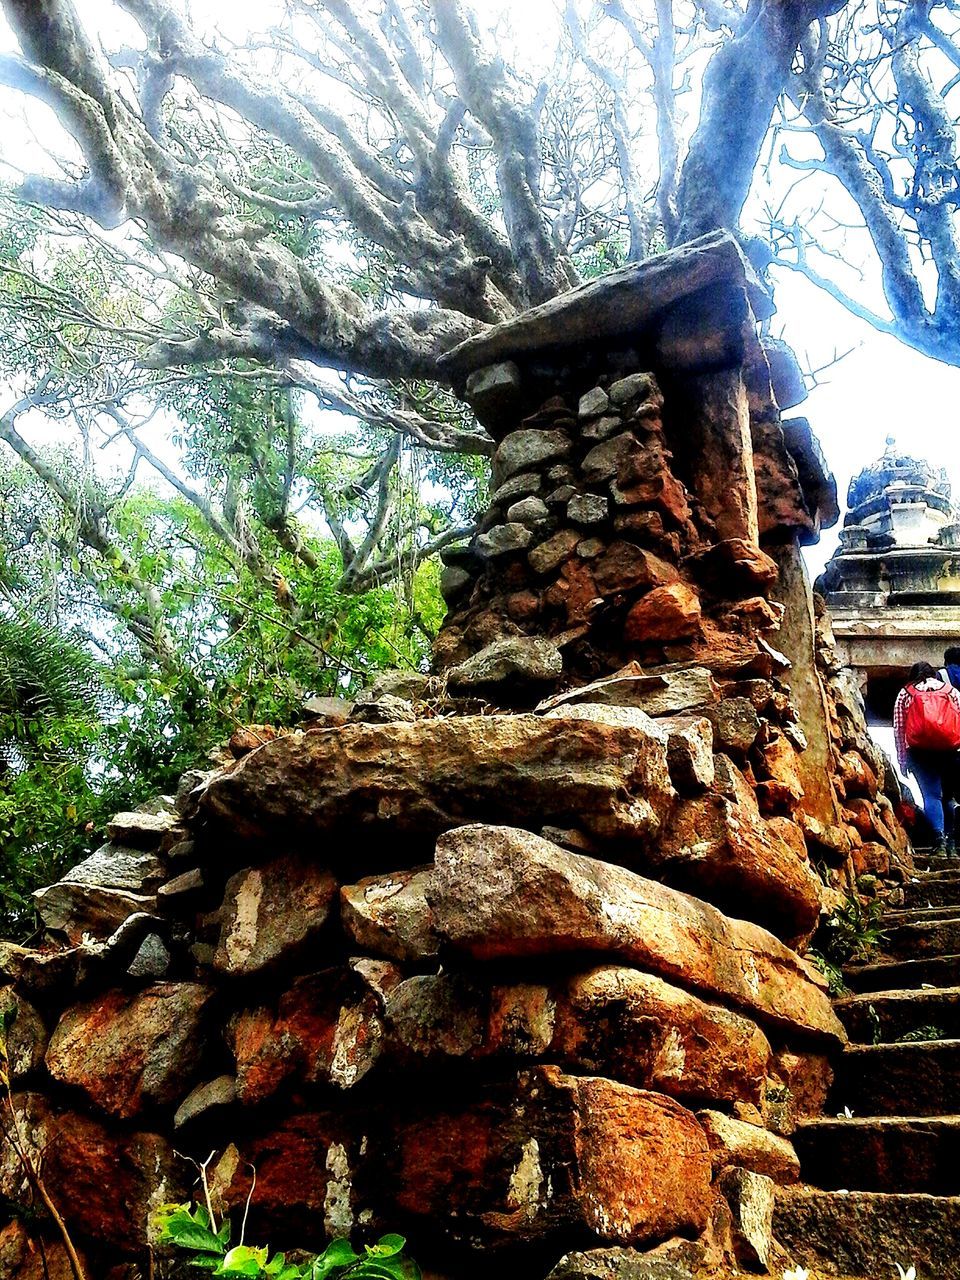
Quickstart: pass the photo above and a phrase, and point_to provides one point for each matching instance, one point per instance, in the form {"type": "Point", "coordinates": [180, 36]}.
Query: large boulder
{"type": "Point", "coordinates": [548, 1155]}
{"type": "Point", "coordinates": [421, 779]}
{"type": "Point", "coordinates": [501, 893]}
{"type": "Point", "coordinates": [130, 1051]}
{"type": "Point", "coordinates": [273, 913]}
{"type": "Point", "coordinates": [610, 1021]}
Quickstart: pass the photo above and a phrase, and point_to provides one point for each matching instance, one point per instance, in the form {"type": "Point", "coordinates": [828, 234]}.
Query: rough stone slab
{"type": "Point", "coordinates": [528, 449]}
{"type": "Point", "coordinates": [130, 1051]}
{"type": "Point", "coordinates": [503, 540]}
{"type": "Point", "coordinates": [326, 1029]}
{"type": "Point", "coordinates": [882, 1153]}
{"type": "Point", "coordinates": [595, 402]}
{"type": "Point", "coordinates": [548, 1155]}
{"type": "Point", "coordinates": [423, 778]}
{"type": "Point", "coordinates": [501, 893]}
{"type": "Point", "coordinates": [206, 1097]}
{"type": "Point", "coordinates": [890, 975]}
{"type": "Point", "coordinates": [524, 662]}
{"type": "Point", "coordinates": [271, 914]}
{"type": "Point", "coordinates": [140, 830]}
{"type": "Point", "coordinates": [114, 867]}
{"type": "Point", "coordinates": [861, 1233]}
{"type": "Point", "coordinates": [719, 847]}
{"type": "Point", "coordinates": [622, 302]}
{"type": "Point", "coordinates": [658, 693]}
{"type": "Point", "coordinates": [105, 1181]}
{"type": "Point", "coordinates": [751, 1199]}
{"type": "Point", "coordinates": [21, 1259]}
{"type": "Point", "coordinates": [494, 390]}
{"type": "Point", "coordinates": [617, 1264]}
{"type": "Point", "coordinates": [889, 1015]}
{"type": "Point", "coordinates": [85, 911]}
{"type": "Point", "coordinates": [25, 1039]}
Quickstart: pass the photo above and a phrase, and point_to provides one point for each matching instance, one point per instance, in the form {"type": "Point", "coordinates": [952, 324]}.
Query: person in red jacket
{"type": "Point", "coordinates": [926, 729]}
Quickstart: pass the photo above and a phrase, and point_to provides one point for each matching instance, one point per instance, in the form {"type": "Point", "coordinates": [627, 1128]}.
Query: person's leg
{"type": "Point", "coordinates": [929, 778]}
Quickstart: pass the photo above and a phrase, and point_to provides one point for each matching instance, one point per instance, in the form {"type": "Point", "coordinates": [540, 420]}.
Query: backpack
{"type": "Point", "coordinates": [933, 719]}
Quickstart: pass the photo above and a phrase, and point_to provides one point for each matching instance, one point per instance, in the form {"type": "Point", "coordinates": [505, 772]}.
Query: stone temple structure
{"type": "Point", "coordinates": [508, 957]}
{"type": "Point", "coordinates": [893, 585]}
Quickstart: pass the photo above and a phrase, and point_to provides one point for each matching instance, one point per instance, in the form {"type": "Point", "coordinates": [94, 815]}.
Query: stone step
{"type": "Point", "coordinates": [864, 1233]}
{"type": "Point", "coordinates": [929, 938]}
{"type": "Point", "coordinates": [881, 1153]}
{"type": "Point", "coordinates": [938, 891]}
{"type": "Point", "coordinates": [919, 915]}
{"type": "Point", "coordinates": [936, 862]}
{"type": "Point", "coordinates": [900, 975]}
{"type": "Point", "coordinates": [887, 1016]}
{"type": "Point", "coordinates": [918, 1079]}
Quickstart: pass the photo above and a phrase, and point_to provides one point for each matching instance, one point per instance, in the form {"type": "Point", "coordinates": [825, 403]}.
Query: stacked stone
{"type": "Point", "coordinates": [353, 962]}
{"type": "Point", "coordinates": [869, 840]}
{"type": "Point", "coordinates": [507, 958]}
{"type": "Point", "coordinates": [586, 527]}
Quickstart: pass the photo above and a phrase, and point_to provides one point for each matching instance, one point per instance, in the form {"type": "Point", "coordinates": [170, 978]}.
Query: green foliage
{"type": "Point", "coordinates": [929, 1031]}
{"type": "Point", "coordinates": [832, 972]}
{"type": "Point", "coordinates": [191, 1230]}
{"type": "Point", "coordinates": [853, 931]}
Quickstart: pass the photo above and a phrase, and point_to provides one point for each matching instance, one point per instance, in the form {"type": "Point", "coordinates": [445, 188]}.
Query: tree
{"type": "Point", "coordinates": [304, 219]}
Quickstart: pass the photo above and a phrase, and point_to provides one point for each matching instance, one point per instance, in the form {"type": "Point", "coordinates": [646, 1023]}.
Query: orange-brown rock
{"type": "Point", "coordinates": [25, 1257]}
{"type": "Point", "coordinates": [777, 762]}
{"type": "Point", "coordinates": [500, 893]}
{"type": "Point", "coordinates": [625, 566]}
{"type": "Point", "coordinates": [25, 1037]}
{"type": "Point", "coordinates": [575, 592]}
{"type": "Point", "coordinates": [248, 737]}
{"type": "Point", "coordinates": [272, 913]}
{"type": "Point", "coordinates": [663, 615]}
{"type": "Point", "coordinates": [610, 1021]}
{"type": "Point", "coordinates": [857, 776]}
{"type": "Point", "coordinates": [104, 1182]}
{"type": "Point", "coordinates": [552, 1155]}
{"type": "Point", "coordinates": [749, 1146]}
{"type": "Point", "coordinates": [306, 1170]}
{"type": "Point", "coordinates": [635, 1027]}
{"type": "Point", "coordinates": [734, 566]}
{"type": "Point", "coordinates": [871, 858]}
{"type": "Point", "coordinates": [718, 846]}
{"type": "Point", "coordinates": [423, 778]}
{"type": "Point", "coordinates": [129, 1051]}
{"type": "Point", "coordinates": [326, 1029]}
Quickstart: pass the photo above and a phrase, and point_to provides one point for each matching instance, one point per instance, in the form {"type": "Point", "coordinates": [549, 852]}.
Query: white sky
{"type": "Point", "coordinates": [881, 388]}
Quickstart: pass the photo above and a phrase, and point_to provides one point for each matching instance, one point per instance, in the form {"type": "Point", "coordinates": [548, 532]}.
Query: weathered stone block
{"type": "Point", "coordinates": [551, 1154]}
{"type": "Point", "coordinates": [508, 665]}
{"type": "Point", "coordinates": [271, 914]}
{"type": "Point", "coordinates": [128, 1051]}
{"type": "Point", "coordinates": [748, 1146]}
{"type": "Point", "coordinates": [423, 778]}
{"type": "Point", "coordinates": [528, 450]}
{"type": "Point", "coordinates": [499, 892]}
{"type": "Point", "coordinates": [663, 615]}
{"type": "Point", "coordinates": [389, 916]}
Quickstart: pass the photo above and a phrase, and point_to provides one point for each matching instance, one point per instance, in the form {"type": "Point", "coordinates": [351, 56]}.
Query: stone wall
{"type": "Point", "coordinates": [507, 957]}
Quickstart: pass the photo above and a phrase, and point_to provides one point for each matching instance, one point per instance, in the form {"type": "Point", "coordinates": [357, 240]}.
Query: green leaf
{"type": "Point", "coordinates": [243, 1261]}
{"type": "Point", "coordinates": [386, 1246]}
{"type": "Point", "coordinates": [187, 1228]}
{"type": "Point", "coordinates": [338, 1255]}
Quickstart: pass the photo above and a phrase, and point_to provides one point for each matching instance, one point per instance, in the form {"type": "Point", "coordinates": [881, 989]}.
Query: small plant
{"type": "Point", "coordinates": [832, 972]}
{"type": "Point", "coordinates": [194, 1230]}
{"type": "Point", "coordinates": [928, 1032]}
{"type": "Point", "coordinates": [873, 1021]}
{"type": "Point", "coordinates": [852, 932]}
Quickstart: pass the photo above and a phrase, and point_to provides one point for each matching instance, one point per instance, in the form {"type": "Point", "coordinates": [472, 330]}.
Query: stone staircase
{"type": "Point", "coordinates": [882, 1185]}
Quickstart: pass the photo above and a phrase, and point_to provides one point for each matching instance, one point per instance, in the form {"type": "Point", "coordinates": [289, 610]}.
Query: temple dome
{"type": "Point", "coordinates": [899, 501]}
{"type": "Point", "coordinates": [896, 469]}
